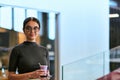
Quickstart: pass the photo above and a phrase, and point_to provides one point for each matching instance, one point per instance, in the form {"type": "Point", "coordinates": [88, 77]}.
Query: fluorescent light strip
{"type": "Point", "coordinates": [114, 15]}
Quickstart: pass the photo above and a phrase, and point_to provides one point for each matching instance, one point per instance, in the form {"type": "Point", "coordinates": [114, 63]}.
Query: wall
{"type": "Point", "coordinates": [84, 25]}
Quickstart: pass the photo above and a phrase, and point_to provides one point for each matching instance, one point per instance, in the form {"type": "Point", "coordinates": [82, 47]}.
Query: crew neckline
{"type": "Point", "coordinates": [30, 43]}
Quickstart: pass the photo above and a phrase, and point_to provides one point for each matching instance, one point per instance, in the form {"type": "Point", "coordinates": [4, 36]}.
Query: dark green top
{"type": "Point", "coordinates": [26, 56]}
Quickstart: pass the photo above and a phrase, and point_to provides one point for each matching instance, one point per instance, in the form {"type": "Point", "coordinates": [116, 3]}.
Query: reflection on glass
{"type": "Point", "coordinates": [89, 68]}
{"type": "Point", "coordinates": [51, 23]}
{"type": "Point", "coordinates": [6, 17]}
{"type": "Point", "coordinates": [19, 16]}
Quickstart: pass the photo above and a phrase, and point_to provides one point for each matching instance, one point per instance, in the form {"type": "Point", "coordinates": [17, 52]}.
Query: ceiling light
{"type": "Point", "coordinates": [114, 15]}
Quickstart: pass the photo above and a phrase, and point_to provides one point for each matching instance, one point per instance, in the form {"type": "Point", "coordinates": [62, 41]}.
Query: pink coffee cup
{"type": "Point", "coordinates": [44, 68]}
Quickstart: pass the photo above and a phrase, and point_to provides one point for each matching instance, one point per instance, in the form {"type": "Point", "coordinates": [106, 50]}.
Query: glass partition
{"type": "Point", "coordinates": [90, 68]}
{"type": "Point", "coordinates": [101, 66]}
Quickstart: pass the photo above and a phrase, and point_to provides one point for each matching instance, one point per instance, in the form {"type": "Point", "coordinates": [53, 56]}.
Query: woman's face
{"type": "Point", "coordinates": [31, 31]}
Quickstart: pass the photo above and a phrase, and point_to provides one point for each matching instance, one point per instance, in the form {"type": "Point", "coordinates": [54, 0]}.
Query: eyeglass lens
{"type": "Point", "coordinates": [29, 28]}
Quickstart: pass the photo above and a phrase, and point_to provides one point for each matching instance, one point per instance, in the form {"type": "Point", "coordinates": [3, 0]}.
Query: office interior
{"type": "Point", "coordinates": [114, 32]}
{"type": "Point", "coordinates": [80, 38]}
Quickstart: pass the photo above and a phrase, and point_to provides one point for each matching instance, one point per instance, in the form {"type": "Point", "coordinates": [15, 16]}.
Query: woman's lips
{"type": "Point", "coordinates": [31, 34]}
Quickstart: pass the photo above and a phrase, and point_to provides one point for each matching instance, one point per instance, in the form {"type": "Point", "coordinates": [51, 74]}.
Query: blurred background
{"type": "Point", "coordinates": [83, 37]}
{"type": "Point", "coordinates": [11, 33]}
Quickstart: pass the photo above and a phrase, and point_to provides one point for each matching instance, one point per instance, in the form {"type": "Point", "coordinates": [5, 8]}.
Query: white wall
{"type": "Point", "coordinates": [84, 25]}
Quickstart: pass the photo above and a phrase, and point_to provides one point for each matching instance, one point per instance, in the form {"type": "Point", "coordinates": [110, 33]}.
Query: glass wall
{"type": "Point", "coordinates": [90, 68]}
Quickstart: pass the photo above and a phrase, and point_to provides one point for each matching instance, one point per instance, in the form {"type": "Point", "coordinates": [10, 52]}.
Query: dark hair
{"type": "Point", "coordinates": [30, 19]}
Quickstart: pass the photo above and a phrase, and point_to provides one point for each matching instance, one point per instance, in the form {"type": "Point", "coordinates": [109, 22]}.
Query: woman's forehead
{"type": "Point", "coordinates": [32, 23]}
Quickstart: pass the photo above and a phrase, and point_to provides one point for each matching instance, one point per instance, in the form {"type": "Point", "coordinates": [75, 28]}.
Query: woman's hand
{"type": "Point", "coordinates": [39, 74]}
{"type": "Point", "coordinates": [43, 73]}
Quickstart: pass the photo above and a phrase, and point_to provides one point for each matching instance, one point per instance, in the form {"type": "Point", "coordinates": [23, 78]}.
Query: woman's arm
{"type": "Point", "coordinates": [13, 76]}
{"type": "Point", "coordinates": [25, 76]}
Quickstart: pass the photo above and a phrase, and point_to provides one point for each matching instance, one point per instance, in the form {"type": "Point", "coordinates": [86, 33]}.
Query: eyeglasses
{"type": "Point", "coordinates": [29, 28]}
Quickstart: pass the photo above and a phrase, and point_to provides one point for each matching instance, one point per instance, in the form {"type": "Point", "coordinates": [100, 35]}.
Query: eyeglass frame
{"type": "Point", "coordinates": [29, 28]}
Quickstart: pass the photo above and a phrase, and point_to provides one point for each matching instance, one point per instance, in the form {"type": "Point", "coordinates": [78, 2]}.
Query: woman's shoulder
{"type": "Point", "coordinates": [16, 49]}
{"type": "Point", "coordinates": [42, 47]}
{"type": "Point", "coordinates": [18, 46]}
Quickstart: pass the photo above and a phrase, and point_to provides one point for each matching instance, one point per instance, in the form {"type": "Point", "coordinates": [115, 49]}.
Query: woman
{"type": "Point", "coordinates": [27, 57]}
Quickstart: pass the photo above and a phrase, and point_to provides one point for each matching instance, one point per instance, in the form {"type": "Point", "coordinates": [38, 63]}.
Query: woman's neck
{"type": "Point", "coordinates": [31, 40]}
